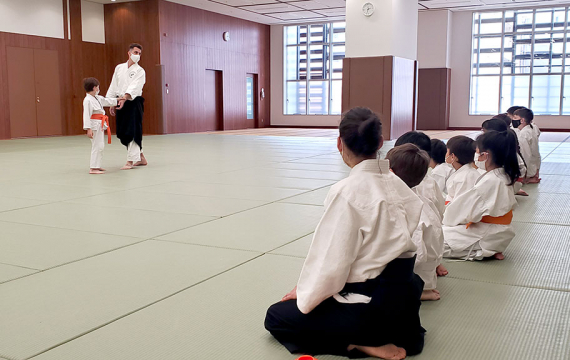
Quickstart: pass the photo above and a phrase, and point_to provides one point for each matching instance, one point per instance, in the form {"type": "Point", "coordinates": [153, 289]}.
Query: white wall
{"type": "Point", "coordinates": [277, 86]}
{"type": "Point", "coordinates": [434, 36]}
{"type": "Point", "coordinates": [93, 21]}
{"type": "Point", "coordinates": [32, 17]}
{"type": "Point", "coordinates": [391, 30]}
{"type": "Point", "coordinates": [460, 61]}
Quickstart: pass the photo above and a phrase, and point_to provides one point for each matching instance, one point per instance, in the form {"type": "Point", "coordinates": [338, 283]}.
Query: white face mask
{"type": "Point", "coordinates": [449, 157]}
{"type": "Point", "coordinates": [480, 164]}
{"type": "Point", "coordinates": [135, 58]}
{"type": "Point", "coordinates": [97, 92]}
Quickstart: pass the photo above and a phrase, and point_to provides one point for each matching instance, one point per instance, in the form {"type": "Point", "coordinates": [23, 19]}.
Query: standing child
{"type": "Point", "coordinates": [96, 122]}
{"type": "Point", "coordinates": [477, 224]}
{"type": "Point", "coordinates": [460, 155]}
{"type": "Point", "coordinates": [411, 164]}
{"type": "Point", "coordinates": [528, 141]}
{"type": "Point", "coordinates": [441, 171]}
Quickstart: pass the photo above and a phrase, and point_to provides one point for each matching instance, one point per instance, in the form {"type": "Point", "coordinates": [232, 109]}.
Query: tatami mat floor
{"type": "Point", "coordinates": [180, 260]}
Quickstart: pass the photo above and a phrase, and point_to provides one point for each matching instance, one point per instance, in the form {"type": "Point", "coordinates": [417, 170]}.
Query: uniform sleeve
{"type": "Point", "coordinates": [465, 208]}
{"type": "Point", "coordinates": [87, 112]}
{"type": "Point", "coordinates": [113, 91]}
{"type": "Point", "coordinates": [525, 146]}
{"type": "Point", "coordinates": [335, 246]}
{"type": "Point", "coordinates": [522, 166]}
{"type": "Point", "coordinates": [439, 179]}
{"type": "Point", "coordinates": [136, 86]}
{"type": "Point", "coordinates": [105, 101]}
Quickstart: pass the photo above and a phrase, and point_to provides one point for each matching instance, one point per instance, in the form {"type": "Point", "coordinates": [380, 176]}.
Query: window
{"type": "Point", "coordinates": [521, 57]}
{"type": "Point", "coordinates": [313, 68]}
{"type": "Point", "coordinates": [249, 97]}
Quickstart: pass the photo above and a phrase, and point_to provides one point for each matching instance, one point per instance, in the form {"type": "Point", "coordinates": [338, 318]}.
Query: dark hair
{"type": "Point", "coordinates": [419, 139]}
{"type": "Point", "coordinates": [502, 148]}
{"type": "Point", "coordinates": [525, 114]}
{"type": "Point", "coordinates": [361, 131]}
{"type": "Point", "coordinates": [90, 83]}
{"type": "Point", "coordinates": [438, 151]}
{"type": "Point", "coordinates": [494, 124]}
{"type": "Point", "coordinates": [506, 118]}
{"type": "Point", "coordinates": [409, 163]}
{"type": "Point", "coordinates": [512, 109]}
{"type": "Point", "coordinates": [135, 45]}
{"type": "Point", "coordinates": [463, 148]}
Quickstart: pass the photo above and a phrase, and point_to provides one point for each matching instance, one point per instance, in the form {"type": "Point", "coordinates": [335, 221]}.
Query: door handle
{"type": "Point", "coordinates": [38, 99]}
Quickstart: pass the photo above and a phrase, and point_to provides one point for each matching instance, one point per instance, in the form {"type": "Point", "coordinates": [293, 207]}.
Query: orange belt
{"type": "Point", "coordinates": [104, 121]}
{"type": "Point", "coordinates": [499, 220]}
{"type": "Point", "coordinates": [447, 202]}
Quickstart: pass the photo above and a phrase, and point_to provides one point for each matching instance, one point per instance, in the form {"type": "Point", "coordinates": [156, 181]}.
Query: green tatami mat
{"type": "Point", "coordinates": [555, 168]}
{"type": "Point", "coordinates": [537, 257]}
{"type": "Point", "coordinates": [475, 321]}
{"type": "Point", "coordinates": [45, 309]}
{"type": "Point", "coordinates": [11, 203]}
{"type": "Point", "coordinates": [315, 197]}
{"type": "Point", "coordinates": [10, 272]}
{"type": "Point", "coordinates": [544, 208]}
{"type": "Point", "coordinates": [40, 247]}
{"type": "Point", "coordinates": [262, 180]}
{"type": "Point", "coordinates": [143, 224]}
{"type": "Point", "coordinates": [556, 184]}
{"type": "Point", "coordinates": [340, 168]}
{"type": "Point", "coordinates": [261, 229]}
{"type": "Point", "coordinates": [298, 248]}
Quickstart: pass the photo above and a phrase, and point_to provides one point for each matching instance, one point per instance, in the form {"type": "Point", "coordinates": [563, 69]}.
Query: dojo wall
{"type": "Point", "coordinates": [32, 17]}
{"type": "Point", "coordinates": [191, 42]}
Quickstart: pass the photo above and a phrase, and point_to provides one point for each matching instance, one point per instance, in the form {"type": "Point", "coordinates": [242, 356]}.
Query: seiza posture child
{"type": "Point", "coordinates": [528, 142]}
{"type": "Point", "coordinates": [358, 276]}
{"type": "Point", "coordinates": [411, 164]}
{"type": "Point", "coordinates": [477, 224]}
{"type": "Point", "coordinates": [460, 155]}
{"type": "Point", "coordinates": [498, 124]}
{"type": "Point", "coordinates": [428, 188]}
{"type": "Point", "coordinates": [440, 170]}
{"type": "Point", "coordinates": [96, 122]}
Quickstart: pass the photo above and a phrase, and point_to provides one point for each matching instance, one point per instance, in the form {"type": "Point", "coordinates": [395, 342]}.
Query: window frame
{"type": "Point", "coordinates": [474, 69]}
{"type": "Point", "coordinates": [328, 69]}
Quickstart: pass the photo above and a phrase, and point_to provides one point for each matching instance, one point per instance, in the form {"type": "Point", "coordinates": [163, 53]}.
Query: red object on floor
{"type": "Point", "coordinates": [306, 357]}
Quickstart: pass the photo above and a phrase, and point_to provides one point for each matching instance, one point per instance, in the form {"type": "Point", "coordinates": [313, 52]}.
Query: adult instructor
{"type": "Point", "coordinates": [128, 81]}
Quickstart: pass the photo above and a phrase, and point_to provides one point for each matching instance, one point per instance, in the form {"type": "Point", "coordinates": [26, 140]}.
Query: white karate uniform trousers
{"type": "Point", "coordinates": [97, 144]}
{"type": "Point", "coordinates": [133, 152]}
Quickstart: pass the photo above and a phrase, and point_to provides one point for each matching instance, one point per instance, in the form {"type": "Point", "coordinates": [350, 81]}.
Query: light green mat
{"type": "Point", "coordinates": [42, 311]}
{"type": "Point", "coordinates": [537, 257]}
{"type": "Point", "coordinates": [555, 168]}
{"type": "Point", "coordinates": [544, 208]}
{"type": "Point", "coordinates": [315, 197]}
{"type": "Point", "coordinates": [12, 203]}
{"type": "Point", "coordinates": [10, 272]}
{"type": "Point", "coordinates": [298, 248]}
{"type": "Point", "coordinates": [261, 229]}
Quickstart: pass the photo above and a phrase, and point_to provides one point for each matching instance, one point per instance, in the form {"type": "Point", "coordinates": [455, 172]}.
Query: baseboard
{"type": "Point", "coordinates": [303, 127]}
{"type": "Point", "coordinates": [479, 128]}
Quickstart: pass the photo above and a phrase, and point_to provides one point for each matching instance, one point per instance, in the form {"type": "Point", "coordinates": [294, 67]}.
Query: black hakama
{"type": "Point", "coordinates": [129, 122]}
{"type": "Point", "coordinates": [391, 317]}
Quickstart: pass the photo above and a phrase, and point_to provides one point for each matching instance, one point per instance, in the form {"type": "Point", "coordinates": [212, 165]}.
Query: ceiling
{"type": "Point", "coordinates": [296, 11]}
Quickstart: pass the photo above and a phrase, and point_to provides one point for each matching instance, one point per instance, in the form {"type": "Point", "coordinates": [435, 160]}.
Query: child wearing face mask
{"type": "Point", "coordinates": [460, 155]}
{"type": "Point", "coordinates": [95, 122]}
{"type": "Point", "coordinates": [477, 224]}
{"type": "Point", "coordinates": [440, 170]}
{"type": "Point", "coordinates": [528, 141]}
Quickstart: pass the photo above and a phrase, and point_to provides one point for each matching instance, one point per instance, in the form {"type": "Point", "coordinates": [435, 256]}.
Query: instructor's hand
{"type": "Point", "coordinates": [121, 103]}
{"type": "Point", "coordinates": [90, 134]}
{"type": "Point", "coordinates": [291, 295]}
{"type": "Point", "coordinates": [112, 110]}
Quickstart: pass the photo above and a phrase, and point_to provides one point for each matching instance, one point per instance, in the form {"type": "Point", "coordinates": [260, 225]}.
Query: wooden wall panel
{"type": "Point", "coordinates": [434, 99]}
{"type": "Point", "coordinates": [386, 85]}
{"type": "Point", "coordinates": [191, 42]}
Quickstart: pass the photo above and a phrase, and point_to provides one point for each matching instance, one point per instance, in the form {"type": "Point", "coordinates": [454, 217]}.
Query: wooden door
{"type": "Point", "coordinates": [213, 109]}
{"type": "Point", "coordinates": [48, 95]}
{"type": "Point", "coordinates": [22, 94]}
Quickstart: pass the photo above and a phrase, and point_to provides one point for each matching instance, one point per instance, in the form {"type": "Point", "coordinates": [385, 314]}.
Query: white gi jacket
{"type": "Point", "coordinates": [460, 181]}
{"type": "Point", "coordinates": [528, 141]}
{"type": "Point", "coordinates": [441, 173]}
{"type": "Point", "coordinates": [127, 80]}
{"type": "Point", "coordinates": [94, 105]}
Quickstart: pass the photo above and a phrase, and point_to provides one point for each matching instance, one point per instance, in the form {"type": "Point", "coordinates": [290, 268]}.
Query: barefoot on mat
{"type": "Point", "coordinates": [128, 166]}
{"type": "Point", "coordinates": [441, 270]}
{"type": "Point", "coordinates": [143, 161]}
{"type": "Point", "coordinates": [499, 256]}
{"type": "Point", "coordinates": [388, 352]}
{"type": "Point", "coordinates": [96, 171]}
{"type": "Point", "coordinates": [430, 295]}
{"type": "Point", "coordinates": [522, 193]}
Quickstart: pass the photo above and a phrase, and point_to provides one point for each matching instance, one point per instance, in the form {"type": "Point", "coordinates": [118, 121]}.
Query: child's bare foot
{"type": "Point", "coordinates": [499, 256]}
{"type": "Point", "coordinates": [430, 295]}
{"type": "Point", "coordinates": [387, 352]}
{"type": "Point", "coordinates": [440, 270]}
{"type": "Point", "coordinates": [533, 180]}
{"type": "Point", "coordinates": [522, 193]}
{"type": "Point", "coordinates": [143, 161]}
{"type": "Point", "coordinates": [128, 166]}
{"type": "Point", "coordinates": [96, 171]}
{"type": "Point", "coordinates": [101, 169]}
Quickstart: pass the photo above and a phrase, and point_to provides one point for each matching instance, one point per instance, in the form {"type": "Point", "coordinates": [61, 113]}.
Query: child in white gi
{"type": "Point", "coordinates": [528, 141]}
{"type": "Point", "coordinates": [96, 122]}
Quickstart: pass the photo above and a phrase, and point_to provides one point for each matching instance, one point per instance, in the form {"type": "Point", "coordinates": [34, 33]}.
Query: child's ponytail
{"type": "Point", "coordinates": [502, 147]}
